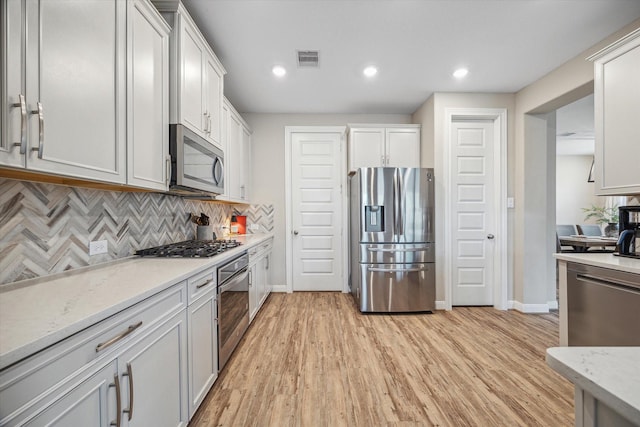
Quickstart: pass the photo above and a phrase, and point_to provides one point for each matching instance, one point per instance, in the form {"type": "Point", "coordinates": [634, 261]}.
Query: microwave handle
{"type": "Point", "coordinates": [218, 171]}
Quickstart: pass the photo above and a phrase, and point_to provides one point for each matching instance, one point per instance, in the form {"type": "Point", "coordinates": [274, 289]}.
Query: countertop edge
{"type": "Point", "coordinates": [554, 358]}
{"type": "Point", "coordinates": [19, 353]}
{"type": "Point", "coordinates": [610, 261]}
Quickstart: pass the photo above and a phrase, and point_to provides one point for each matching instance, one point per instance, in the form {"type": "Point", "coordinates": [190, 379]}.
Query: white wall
{"type": "Point", "coordinates": [568, 83]}
{"type": "Point", "coordinates": [268, 165]}
{"type": "Point", "coordinates": [573, 192]}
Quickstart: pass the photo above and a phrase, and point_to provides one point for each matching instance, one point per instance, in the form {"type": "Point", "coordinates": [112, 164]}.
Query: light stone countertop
{"type": "Point", "coordinates": [610, 374]}
{"type": "Point", "coordinates": [630, 265]}
{"type": "Point", "coordinates": [37, 313]}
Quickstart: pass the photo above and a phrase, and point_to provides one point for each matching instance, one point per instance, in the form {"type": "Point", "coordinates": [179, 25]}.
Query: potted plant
{"type": "Point", "coordinates": [604, 215]}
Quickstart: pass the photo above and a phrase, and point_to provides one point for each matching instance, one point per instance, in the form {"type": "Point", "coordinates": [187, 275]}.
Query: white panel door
{"type": "Point", "coordinates": [472, 212]}
{"type": "Point", "coordinates": [316, 211]}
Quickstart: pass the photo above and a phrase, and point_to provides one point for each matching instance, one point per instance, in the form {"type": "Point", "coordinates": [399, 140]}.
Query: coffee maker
{"type": "Point", "coordinates": [629, 240]}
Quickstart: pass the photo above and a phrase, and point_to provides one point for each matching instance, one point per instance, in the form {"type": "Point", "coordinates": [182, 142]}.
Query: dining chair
{"type": "Point", "coordinates": [566, 230]}
{"type": "Point", "coordinates": [589, 230]}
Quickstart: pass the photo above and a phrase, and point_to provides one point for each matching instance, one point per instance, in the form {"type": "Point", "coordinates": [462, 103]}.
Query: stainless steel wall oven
{"type": "Point", "coordinates": [233, 305]}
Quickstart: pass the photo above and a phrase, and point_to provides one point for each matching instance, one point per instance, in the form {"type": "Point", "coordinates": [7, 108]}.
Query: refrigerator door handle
{"type": "Point", "coordinates": [397, 213]}
{"type": "Point", "coordinates": [422, 249]}
{"type": "Point", "coordinates": [396, 270]}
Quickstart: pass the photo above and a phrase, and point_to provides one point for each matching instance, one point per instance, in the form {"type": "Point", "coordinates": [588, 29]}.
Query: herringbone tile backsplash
{"type": "Point", "coordinates": [46, 228]}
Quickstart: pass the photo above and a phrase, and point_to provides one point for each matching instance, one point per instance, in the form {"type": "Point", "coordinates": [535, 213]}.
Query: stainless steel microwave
{"type": "Point", "coordinates": [196, 165]}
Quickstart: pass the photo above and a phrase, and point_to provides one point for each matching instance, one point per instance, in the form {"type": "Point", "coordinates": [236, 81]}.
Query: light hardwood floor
{"type": "Point", "coordinates": [312, 359]}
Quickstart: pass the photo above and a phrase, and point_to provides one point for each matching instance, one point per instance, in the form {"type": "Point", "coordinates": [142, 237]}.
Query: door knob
{"type": "Point", "coordinates": [490, 236]}
{"type": "Point", "coordinates": [295, 232]}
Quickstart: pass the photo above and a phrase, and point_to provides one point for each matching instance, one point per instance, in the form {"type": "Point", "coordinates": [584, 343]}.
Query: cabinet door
{"type": "Point", "coordinates": [233, 157]}
{"type": "Point", "coordinates": [76, 75]}
{"type": "Point", "coordinates": [617, 108]}
{"type": "Point", "coordinates": [366, 148]}
{"type": "Point", "coordinates": [147, 97]}
{"type": "Point", "coordinates": [245, 164]}
{"type": "Point", "coordinates": [203, 348]}
{"type": "Point", "coordinates": [403, 147]}
{"type": "Point", "coordinates": [91, 403]}
{"type": "Point", "coordinates": [253, 290]}
{"type": "Point", "coordinates": [192, 96]}
{"type": "Point", "coordinates": [14, 109]}
{"type": "Point", "coordinates": [153, 375]}
{"type": "Point", "coordinates": [213, 106]}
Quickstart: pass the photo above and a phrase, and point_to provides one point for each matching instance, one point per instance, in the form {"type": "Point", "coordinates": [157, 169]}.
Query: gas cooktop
{"type": "Point", "coordinates": [190, 249]}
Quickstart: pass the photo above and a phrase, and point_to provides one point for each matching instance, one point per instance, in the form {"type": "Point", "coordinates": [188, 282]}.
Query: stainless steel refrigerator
{"type": "Point", "coordinates": [392, 245]}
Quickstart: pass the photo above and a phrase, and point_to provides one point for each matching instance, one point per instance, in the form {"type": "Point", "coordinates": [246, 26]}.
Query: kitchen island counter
{"type": "Point", "coordinates": [37, 313]}
{"type": "Point", "coordinates": [608, 376]}
{"type": "Point", "coordinates": [604, 260]}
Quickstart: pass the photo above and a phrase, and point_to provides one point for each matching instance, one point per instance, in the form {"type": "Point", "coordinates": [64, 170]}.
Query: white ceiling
{"type": "Point", "coordinates": [416, 45]}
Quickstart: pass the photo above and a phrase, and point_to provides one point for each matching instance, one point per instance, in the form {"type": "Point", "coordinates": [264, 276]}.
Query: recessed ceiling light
{"type": "Point", "coordinates": [279, 71]}
{"type": "Point", "coordinates": [370, 71]}
{"type": "Point", "coordinates": [460, 73]}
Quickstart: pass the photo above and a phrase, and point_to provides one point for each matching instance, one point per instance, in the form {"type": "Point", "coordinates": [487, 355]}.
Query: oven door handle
{"type": "Point", "coordinates": [239, 277]}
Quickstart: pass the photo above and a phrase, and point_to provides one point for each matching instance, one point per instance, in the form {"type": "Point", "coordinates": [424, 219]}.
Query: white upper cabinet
{"type": "Point", "coordinates": [617, 109]}
{"type": "Point", "coordinates": [197, 76]}
{"type": "Point", "coordinates": [64, 104]}
{"type": "Point", "coordinates": [384, 145]}
{"type": "Point", "coordinates": [86, 90]}
{"type": "Point", "coordinates": [237, 147]}
{"type": "Point", "coordinates": [147, 97]}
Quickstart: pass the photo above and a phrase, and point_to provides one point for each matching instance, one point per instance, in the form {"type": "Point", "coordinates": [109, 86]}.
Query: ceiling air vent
{"type": "Point", "coordinates": [307, 58]}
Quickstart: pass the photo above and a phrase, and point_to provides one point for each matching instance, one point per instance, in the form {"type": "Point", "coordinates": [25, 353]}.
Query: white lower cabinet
{"type": "Point", "coordinates": [203, 347]}
{"type": "Point", "coordinates": [259, 276]}
{"type": "Point", "coordinates": [139, 354]}
{"type": "Point", "coordinates": [153, 375]}
{"type": "Point", "coordinates": [92, 402]}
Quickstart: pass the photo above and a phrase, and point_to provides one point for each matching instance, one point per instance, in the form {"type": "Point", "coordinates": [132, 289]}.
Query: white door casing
{"type": "Point", "coordinates": [472, 208]}
{"type": "Point", "coordinates": [475, 216]}
{"type": "Point", "coordinates": [315, 177]}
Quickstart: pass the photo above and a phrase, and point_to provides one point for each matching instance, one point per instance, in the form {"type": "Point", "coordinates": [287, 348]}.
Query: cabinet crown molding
{"type": "Point", "coordinates": [615, 45]}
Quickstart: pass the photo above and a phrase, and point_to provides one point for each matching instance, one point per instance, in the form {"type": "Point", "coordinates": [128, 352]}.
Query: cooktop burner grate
{"type": "Point", "coordinates": [190, 249]}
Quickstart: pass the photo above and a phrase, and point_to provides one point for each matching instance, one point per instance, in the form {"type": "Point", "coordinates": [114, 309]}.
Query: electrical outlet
{"type": "Point", "coordinates": [98, 247]}
{"type": "Point", "coordinates": [510, 203]}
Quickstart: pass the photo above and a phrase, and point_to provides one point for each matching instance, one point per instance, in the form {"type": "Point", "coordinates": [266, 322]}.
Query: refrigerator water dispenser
{"type": "Point", "coordinates": [374, 218]}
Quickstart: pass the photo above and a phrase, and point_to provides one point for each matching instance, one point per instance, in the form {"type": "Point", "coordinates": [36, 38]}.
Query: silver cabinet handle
{"type": "Point", "coordinates": [116, 384]}
{"type": "Point", "coordinates": [268, 258]}
{"type": "Point", "coordinates": [40, 146]}
{"type": "Point", "coordinates": [22, 104]}
{"type": "Point", "coordinates": [118, 337]}
{"type": "Point", "coordinates": [209, 118]}
{"type": "Point", "coordinates": [202, 285]}
{"type": "Point", "coordinates": [169, 170]}
{"type": "Point", "coordinates": [129, 374]}
{"type": "Point", "coordinates": [490, 236]}
{"type": "Point", "coordinates": [206, 122]}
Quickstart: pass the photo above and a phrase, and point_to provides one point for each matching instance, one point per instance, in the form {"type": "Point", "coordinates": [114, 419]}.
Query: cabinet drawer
{"type": "Point", "coordinates": [26, 380]}
{"type": "Point", "coordinates": [257, 251]}
{"type": "Point", "coordinates": [201, 283]}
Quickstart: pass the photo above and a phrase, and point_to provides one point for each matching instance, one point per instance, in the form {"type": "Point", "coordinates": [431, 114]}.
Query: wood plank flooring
{"type": "Point", "coordinates": [312, 359]}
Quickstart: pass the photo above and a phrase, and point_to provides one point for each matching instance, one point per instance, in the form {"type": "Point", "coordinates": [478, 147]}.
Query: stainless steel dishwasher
{"type": "Point", "coordinates": [603, 306]}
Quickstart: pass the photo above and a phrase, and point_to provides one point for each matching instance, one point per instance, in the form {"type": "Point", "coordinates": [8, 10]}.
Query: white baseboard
{"type": "Point", "coordinates": [441, 305]}
{"type": "Point", "coordinates": [529, 308]}
{"type": "Point", "coordinates": [279, 288]}
{"type": "Point", "coordinates": [553, 305]}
